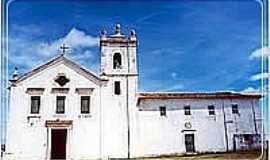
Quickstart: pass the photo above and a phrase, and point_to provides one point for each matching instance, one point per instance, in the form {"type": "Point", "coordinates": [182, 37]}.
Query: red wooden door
{"type": "Point", "coordinates": [58, 143]}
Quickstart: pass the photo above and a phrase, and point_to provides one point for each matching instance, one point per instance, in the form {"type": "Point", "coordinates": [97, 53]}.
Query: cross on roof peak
{"type": "Point", "coordinates": [63, 48]}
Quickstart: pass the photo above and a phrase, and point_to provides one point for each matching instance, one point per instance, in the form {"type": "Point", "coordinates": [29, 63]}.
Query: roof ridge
{"type": "Point", "coordinates": [174, 94]}
{"type": "Point", "coordinates": [81, 66]}
{"type": "Point", "coordinates": [24, 75]}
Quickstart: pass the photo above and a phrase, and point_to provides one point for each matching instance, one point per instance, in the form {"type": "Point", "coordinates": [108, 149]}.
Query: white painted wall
{"type": "Point", "coordinates": [25, 140]}
{"type": "Point", "coordinates": [156, 135]}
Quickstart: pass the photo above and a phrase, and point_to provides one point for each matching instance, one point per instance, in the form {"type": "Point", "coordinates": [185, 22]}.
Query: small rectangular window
{"type": "Point", "coordinates": [117, 89]}
{"type": "Point", "coordinates": [211, 110]}
{"type": "Point", "coordinates": [162, 110]}
{"type": "Point", "coordinates": [85, 104]}
{"type": "Point", "coordinates": [235, 109]}
{"type": "Point", "coordinates": [187, 110]}
{"type": "Point", "coordinates": [60, 104]}
{"type": "Point", "coordinates": [35, 104]}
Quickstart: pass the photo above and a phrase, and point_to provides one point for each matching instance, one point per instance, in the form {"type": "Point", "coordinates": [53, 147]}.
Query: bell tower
{"type": "Point", "coordinates": [119, 66]}
{"type": "Point", "coordinates": [118, 53]}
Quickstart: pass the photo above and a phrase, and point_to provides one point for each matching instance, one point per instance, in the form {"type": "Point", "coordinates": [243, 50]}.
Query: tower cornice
{"type": "Point", "coordinates": [118, 38]}
{"type": "Point", "coordinates": [117, 41]}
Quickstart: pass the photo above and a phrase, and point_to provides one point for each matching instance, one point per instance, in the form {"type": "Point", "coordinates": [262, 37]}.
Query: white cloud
{"type": "Point", "coordinates": [77, 38]}
{"type": "Point", "coordinates": [86, 59]}
{"type": "Point", "coordinates": [30, 53]}
{"type": "Point", "coordinates": [259, 76]}
{"type": "Point", "coordinates": [82, 56]}
{"type": "Point", "coordinates": [174, 75]}
{"type": "Point", "coordinates": [74, 39]}
{"type": "Point", "coordinates": [258, 53]}
{"type": "Point", "coordinates": [147, 17]}
{"type": "Point", "coordinates": [161, 51]}
{"type": "Point", "coordinates": [250, 90]}
{"type": "Point", "coordinates": [173, 88]}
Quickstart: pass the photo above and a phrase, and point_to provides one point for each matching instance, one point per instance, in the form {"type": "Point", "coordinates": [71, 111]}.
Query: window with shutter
{"type": "Point", "coordinates": [211, 110]}
{"type": "Point", "coordinates": [162, 110]}
{"type": "Point", "coordinates": [235, 109]}
{"type": "Point", "coordinates": [60, 104]}
{"type": "Point", "coordinates": [35, 104]}
{"type": "Point", "coordinates": [85, 104]}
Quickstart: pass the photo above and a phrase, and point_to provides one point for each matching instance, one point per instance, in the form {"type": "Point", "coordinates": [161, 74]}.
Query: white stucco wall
{"type": "Point", "coordinates": [156, 135]}
{"type": "Point", "coordinates": [28, 140]}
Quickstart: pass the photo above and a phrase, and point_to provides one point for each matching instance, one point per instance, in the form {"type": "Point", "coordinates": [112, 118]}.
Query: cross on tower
{"type": "Point", "coordinates": [64, 48]}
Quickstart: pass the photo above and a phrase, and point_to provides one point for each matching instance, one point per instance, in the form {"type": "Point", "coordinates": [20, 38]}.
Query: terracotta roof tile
{"type": "Point", "coordinates": [195, 95]}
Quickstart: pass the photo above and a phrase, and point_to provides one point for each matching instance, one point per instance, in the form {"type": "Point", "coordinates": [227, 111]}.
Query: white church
{"type": "Point", "coordinates": [61, 110]}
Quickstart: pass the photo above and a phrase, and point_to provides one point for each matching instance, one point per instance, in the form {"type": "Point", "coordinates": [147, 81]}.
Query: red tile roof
{"type": "Point", "coordinates": [196, 95]}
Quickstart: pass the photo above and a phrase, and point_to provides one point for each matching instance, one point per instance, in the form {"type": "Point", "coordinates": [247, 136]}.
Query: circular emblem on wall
{"type": "Point", "coordinates": [188, 125]}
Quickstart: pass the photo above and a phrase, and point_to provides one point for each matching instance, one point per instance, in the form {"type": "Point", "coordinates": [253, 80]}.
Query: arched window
{"type": "Point", "coordinates": [117, 61]}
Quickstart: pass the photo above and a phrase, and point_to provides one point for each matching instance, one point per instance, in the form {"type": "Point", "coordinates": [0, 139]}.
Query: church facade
{"type": "Point", "coordinates": [61, 110]}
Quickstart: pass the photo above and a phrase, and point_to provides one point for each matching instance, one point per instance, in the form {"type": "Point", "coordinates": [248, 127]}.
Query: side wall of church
{"type": "Point", "coordinates": [29, 138]}
{"type": "Point", "coordinates": [157, 135]}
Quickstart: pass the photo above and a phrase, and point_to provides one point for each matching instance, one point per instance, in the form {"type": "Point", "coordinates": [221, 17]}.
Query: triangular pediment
{"type": "Point", "coordinates": [61, 79]}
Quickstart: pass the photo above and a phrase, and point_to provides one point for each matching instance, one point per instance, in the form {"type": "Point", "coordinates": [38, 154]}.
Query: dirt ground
{"type": "Point", "coordinates": [250, 155]}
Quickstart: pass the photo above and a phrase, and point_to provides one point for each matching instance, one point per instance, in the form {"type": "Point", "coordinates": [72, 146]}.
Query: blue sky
{"type": "Point", "coordinates": [183, 45]}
